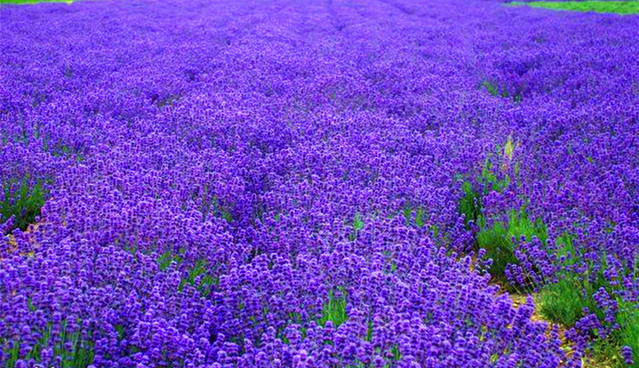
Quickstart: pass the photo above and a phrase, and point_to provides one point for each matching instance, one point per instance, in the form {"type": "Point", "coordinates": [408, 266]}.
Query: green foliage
{"type": "Point", "coordinates": [396, 353]}
{"type": "Point", "coordinates": [566, 249]}
{"type": "Point", "coordinates": [419, 216]}
{"type": "Point", "coordinates": [80, 354]}
{"type": "Point", "coordinates": [369, 331]}
{"type": "Point", "coordinates": [564, 302]}
{"type": "Point", "coordinates": [167, 258]}
{"type": "Point", "coordinates": [334, 310]}
{"type": "Point", "coordinates": [210, 204]}
{"type": "Point", "coordinates": [470, 204]}
{"type": "Point", "coordinates": [226, 215]}
{"type": "Point", "coordinates": [509, 148]}
{"type": "Point", "coordinates": [24, 203]}
{"type": "Point", "coordinates": [628, 319]}
{"type": "Point", "coordinates": [499, 248]}
{"type": "Point", "coordinates": [492, 89]}
{"type": "Point", "coordinates": [358, 224]}
{"type": "Point", "coordinates": [198, 272]}
{"type": "Point", "coordinates": [196, 275]}
{"type": "Point", "coordinates": [440, 236]}
{"type": "Point", "coordinates": [617, 7]}
{"type": "Point", "coordinates": [496, 236]}
{"type": "Point", "coordinates": [609, 349]}
{"type": "Point", "coordinates": [497, 239]}
{"type": "Point", "coordinates": [66, 152]}
{"type": "Point", "coordinates": [57, 148]}
{"type": "Point", "coordinates": [408, 214]}
{"type": "Point", "coordinates": [497, 91]}
{"type": "Point", "coordinates": [490, 180]}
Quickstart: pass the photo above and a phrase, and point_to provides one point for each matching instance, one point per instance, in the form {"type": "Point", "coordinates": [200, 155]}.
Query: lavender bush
{"type": "Point", "coordinates": [317, 184]}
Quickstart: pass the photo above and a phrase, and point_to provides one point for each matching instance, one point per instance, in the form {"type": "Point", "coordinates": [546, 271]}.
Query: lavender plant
{"type": "Point", "coordinates": [317, 184]}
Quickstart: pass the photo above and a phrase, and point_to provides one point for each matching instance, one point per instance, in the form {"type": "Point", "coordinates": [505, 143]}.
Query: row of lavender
{"type": "Point", "coordinates": [277, 184]}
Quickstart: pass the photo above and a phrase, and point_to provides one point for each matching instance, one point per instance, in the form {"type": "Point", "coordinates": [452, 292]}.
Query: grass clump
{"type": "Point", "coordinates": [565, 300]}
{"type": "Point", "coordinates": [470, 204]}
{"type": "Point", "coordinates": [499, 239]}
{"type": "Point", "coordinates": [498, 236]}
{"type": "Point", "coordinates": [616, 7]}
{"type": "Point", "coordinates": [628, 336]}
{"type": "Point", "coordinates": [23, 203]}
{"type": "Point", "coordinates": [576, 295]}
{"type": "Point", "coordinates": [334, 310]}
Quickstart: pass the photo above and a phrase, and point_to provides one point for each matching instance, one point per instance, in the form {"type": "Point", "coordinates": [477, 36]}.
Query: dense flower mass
{"type": "Point", "coordinates": [292, 183]}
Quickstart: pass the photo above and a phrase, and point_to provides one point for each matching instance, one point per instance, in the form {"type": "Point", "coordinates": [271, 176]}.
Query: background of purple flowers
{"type": "Point", "coordinates": [277, 183]}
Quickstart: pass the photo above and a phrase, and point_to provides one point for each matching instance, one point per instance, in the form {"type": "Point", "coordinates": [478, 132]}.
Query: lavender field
{"type": "Point", "coordinates": [318, 183]}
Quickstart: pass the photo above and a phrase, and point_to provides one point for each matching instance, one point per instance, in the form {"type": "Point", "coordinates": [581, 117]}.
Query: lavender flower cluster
{"type": "Point", "coordinates": [277, 183]}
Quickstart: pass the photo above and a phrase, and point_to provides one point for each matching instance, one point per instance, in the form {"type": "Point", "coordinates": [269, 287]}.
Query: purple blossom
{"type": "Point", "coordinates": [277, 184]}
